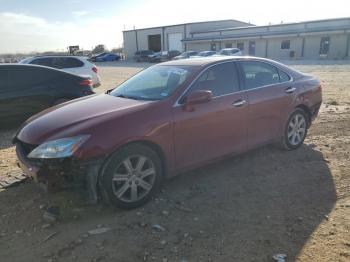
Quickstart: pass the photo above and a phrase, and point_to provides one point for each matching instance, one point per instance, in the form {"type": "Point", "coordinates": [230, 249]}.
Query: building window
{"type": "Point", "coordinates": [324, 46]}
{"type": "Point", "coordinates": [213, 46]}
{"type": "Point", "coordinates": [285, 44]}
{"type": "Point", "coordinates": [240, 46]}
{"type": "Point", "coordinates": [228, 45]}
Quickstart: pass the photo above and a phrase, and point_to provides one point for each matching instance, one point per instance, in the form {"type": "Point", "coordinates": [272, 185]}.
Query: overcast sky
{"type": "Point", "coordinates": [42, 25]}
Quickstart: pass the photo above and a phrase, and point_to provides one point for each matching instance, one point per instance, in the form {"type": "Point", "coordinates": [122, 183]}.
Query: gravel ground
{"type": "Point", "coordinates": [246, 208]}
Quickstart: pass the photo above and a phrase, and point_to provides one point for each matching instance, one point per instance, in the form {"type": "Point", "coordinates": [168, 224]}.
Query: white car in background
{"type": "Point", "coordinates": [230, 52]}
{"type": "Point", "coordinates": [77, 65]}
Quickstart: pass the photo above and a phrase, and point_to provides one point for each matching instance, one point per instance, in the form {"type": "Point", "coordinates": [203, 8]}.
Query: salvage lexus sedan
{"type": "Point", "coordinates": [169, 118]}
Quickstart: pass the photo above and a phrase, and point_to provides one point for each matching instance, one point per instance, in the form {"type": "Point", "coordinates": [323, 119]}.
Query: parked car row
{"type": "Point", "coordinates": [153, 57]}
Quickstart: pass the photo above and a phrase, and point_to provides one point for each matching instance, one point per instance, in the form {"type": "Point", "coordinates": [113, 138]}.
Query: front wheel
{"type": "Point", "coordinates": [132, 176]}
{"type": "Point", "coordinates": [295, 130]}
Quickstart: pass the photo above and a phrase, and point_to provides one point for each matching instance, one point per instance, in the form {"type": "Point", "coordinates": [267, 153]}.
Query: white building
{"type": "Point", "coordinates": [321, 39]}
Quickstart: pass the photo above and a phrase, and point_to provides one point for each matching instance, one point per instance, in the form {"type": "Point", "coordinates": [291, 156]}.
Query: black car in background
{"type": "Point", "coordinates": [164, 56]}
{"type": "Point", "coordinates": [28, 89]}
{"type": "Point", "coordinates": [186, 55]}
{"type": "Point", "coordinates": [143, 55]}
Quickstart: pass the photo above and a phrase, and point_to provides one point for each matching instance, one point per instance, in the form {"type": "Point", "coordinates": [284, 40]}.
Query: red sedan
{"type": "Point", "coordinates": [164, 120]}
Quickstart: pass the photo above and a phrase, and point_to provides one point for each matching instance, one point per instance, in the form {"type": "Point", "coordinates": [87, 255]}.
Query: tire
{"type": "Point", "coordinates": [131, 177]}
{"type": "Point", "coordinates": [295, 136]}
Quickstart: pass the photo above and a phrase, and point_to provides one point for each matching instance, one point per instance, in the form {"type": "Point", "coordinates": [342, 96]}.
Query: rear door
{"type": "Point", "coordinates": [215, 128]}
{"type": "Point", "coordinates": [271, 98]}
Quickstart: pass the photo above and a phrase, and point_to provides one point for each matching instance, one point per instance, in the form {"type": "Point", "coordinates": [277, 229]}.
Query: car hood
{"type": "Point", "coordinates": [74, 117]}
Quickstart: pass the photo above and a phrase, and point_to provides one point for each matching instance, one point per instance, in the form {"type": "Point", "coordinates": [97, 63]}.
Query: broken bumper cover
{"type": "Point", "coordinates": [56, 174]}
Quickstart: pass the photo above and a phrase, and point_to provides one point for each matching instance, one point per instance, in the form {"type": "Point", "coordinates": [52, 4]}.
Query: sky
{"type": "Point", "coordinates": [53, 25]}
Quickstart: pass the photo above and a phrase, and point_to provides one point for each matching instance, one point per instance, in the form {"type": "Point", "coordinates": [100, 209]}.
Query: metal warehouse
{"type": "Point", "coordinates": [320, 39]}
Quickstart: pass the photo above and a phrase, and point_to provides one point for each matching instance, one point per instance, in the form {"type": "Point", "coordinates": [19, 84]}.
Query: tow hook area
{"type": "Point", "coordinates": [91, 183]}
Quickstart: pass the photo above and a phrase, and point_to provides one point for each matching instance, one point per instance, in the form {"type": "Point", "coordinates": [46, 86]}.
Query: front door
{"type": "Point", "coordinates": [215, 128]}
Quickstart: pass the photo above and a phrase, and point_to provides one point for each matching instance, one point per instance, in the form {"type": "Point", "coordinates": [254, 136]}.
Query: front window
{"type": "Point", "coordinates": [153, 83]}
{"type": "Point", "coordinates": [220, 79]}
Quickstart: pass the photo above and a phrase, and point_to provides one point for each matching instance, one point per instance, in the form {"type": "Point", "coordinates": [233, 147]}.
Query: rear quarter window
{"type": "Point", "coordinates": [70, 62]}
{"type": "Point", "coordinates": [284, 77]}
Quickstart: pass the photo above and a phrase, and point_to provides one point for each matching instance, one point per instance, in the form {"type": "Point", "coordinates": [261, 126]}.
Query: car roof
{"type": "Point", "coordinates": [38, 66]}
{"type": "Point", "coordinates": [211, 60]}
{"type": "Point", "coordinates": [65, 56]}
{"type": "Point", "coordinates": [199, 61]}
{"type": "Point", "coordinates": [203, 61]}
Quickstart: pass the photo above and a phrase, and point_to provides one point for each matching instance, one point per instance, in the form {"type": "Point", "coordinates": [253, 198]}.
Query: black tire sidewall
{"type": "Point", "coordinates": [115, 160]}
{"type": "Point", "coordinates": [286, 142]}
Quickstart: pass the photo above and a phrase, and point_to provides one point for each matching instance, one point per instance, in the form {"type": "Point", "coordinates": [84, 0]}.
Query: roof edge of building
{"type": "Point", "coordinates": [272, 25]}
{"type": "Point", "coordinates": [190, 23]}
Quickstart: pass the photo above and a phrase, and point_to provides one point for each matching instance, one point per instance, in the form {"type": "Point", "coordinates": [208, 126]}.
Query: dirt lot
{"type": "Point", "coordinates": [246, 208]}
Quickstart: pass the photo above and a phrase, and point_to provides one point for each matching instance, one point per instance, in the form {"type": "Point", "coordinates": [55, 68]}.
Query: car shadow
{"type": "Point", "coordinates": [264, 202]}
{"type": "Point", "coordinates": [244, 208]}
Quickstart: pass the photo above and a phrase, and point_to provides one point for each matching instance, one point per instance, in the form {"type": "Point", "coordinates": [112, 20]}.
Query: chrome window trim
{"type": "Point", "coordinates": [237, 92]}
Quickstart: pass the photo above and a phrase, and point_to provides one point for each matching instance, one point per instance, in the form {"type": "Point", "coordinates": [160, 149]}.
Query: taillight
{"type": "Point", "coordinates": [94, 69]}
{"type": "Point", "coordinates": [86, 82]}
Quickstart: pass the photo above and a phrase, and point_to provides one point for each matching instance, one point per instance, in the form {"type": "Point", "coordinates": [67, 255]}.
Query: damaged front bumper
{"type": "Point", "coordinates": [54, 175]}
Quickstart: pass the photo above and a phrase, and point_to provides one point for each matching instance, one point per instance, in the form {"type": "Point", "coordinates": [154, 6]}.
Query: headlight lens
{"type": "Point", "coordinates": [64, 147]}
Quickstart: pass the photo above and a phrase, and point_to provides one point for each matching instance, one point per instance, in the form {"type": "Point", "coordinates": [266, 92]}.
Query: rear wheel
{"type": "Point", "coordinates": [295, 130]}
{"type": "Point", "coordinates": [132, 176]}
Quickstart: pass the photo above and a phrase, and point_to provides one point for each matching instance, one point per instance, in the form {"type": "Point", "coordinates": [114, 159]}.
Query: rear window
{"type": "Point", "coordinates": [68, 62]}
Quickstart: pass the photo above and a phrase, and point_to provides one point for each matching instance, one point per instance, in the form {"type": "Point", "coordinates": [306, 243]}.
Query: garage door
{"type": "Point", "coordinates": [175, 41]}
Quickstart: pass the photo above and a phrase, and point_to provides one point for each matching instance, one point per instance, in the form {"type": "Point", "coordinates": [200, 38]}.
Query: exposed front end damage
{"type": "Point", "coordinates": [54, 175]}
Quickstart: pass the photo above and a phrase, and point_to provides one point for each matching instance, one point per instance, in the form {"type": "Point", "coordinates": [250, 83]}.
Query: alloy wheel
{"type": "Point", "coordinates": [296, 129]}
{"type": "Point", "coordinates": [133, 178]}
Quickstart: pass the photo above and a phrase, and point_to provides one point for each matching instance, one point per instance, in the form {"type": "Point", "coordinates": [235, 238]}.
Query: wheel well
{"type": "Point", "coordinates": [156, 148]}
{"type": "Point", "coordinates": [307, 111]}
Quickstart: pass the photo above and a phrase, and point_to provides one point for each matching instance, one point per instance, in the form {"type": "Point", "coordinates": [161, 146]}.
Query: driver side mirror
{"type": "Point", "coordinates": [197, 97]}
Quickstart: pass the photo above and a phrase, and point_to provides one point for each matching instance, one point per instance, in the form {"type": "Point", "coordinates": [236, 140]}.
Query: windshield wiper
{"type": "Point", "coordinates": [108, 91]}
{"type": "Point", "coordinates": [128, 97]}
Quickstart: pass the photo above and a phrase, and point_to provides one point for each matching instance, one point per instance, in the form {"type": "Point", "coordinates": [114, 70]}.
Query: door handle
{"type": "Point", "coordinates": [239, 103]}
{"type": "Point", "coordinates": [290, 90]}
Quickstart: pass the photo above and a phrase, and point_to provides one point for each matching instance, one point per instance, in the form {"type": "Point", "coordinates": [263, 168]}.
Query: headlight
{"type": "Point", "coordinates": [64, 147]}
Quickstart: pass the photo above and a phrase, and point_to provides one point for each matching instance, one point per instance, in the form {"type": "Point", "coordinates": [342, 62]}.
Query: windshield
{"type": "Point", "coordinates": [154, 83]}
